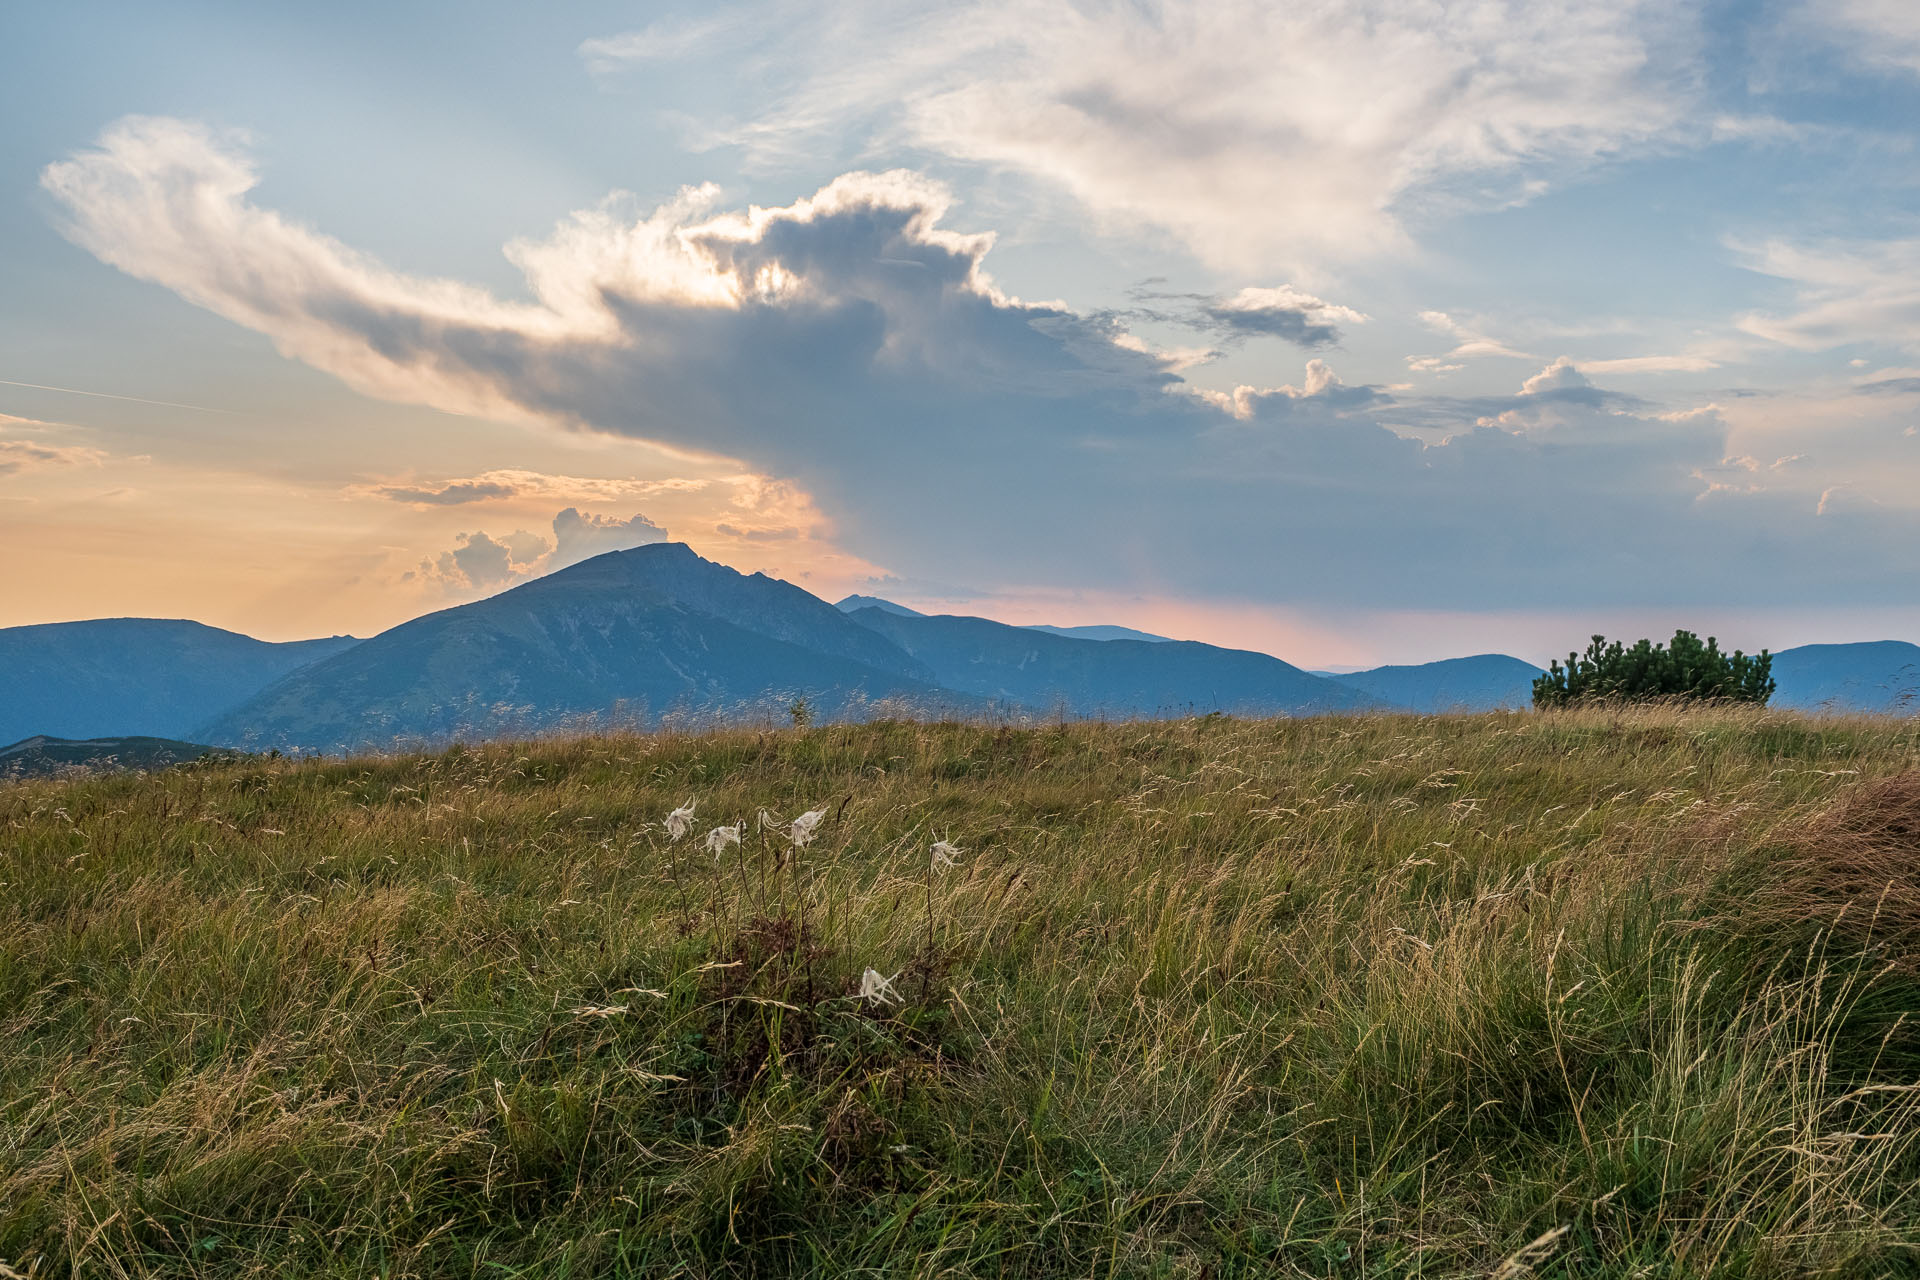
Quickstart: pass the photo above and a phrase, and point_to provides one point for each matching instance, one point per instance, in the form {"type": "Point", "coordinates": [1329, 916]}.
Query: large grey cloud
{"type": "Point", "coordinates": [851, 342]}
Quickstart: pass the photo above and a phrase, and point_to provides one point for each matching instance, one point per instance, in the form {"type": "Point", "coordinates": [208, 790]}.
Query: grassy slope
{"type": "Point", "coordinates": [1347, 997]}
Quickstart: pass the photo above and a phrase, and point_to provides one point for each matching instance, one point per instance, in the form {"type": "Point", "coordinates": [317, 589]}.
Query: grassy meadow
{"type": "Point", "coordinates": [1573, 994]}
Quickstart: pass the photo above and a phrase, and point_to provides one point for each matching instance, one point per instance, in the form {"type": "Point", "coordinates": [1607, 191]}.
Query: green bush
{"type": "Point", "coordinates": [1686, 668]}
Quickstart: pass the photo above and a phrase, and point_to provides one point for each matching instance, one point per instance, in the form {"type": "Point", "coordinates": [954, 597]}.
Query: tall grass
{"type": "Point", "coordinates": [1574, 994]}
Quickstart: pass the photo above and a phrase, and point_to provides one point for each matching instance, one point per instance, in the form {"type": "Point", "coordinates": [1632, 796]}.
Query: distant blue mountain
{"type": "Point", "coordinates": [1050, 673]}
{"type": "Point", "coordinates": [1484, 682]}
{"type": "Point", "coordinates": [1876, 675]}
{"type": "Point", "coordinates": [1100, 632]}
{"type": "Point", "coordinates": [851, 603]}
{"type": "Point", "coordinates": [149, 677]}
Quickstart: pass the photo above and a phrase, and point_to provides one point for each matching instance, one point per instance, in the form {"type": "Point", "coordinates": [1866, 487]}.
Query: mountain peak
{"type": "Point", "coordinates": [854, 602]}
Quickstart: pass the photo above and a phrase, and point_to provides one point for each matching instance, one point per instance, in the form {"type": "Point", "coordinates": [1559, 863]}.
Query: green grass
{"type": "Point", "coordinates": [1569, 995]}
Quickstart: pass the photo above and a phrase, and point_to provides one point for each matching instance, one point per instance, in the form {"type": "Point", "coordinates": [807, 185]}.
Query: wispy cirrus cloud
{"type": "Point", "coordinates": [668, 38]}
{"type": "Point", "coordinates": [851, 345]}
{"type": "Point", "coordinates": [1258, 135]}
{"type": "Point", "coordinates": [1471, 344]}
{"type": "Point", "coordinates": [1845, 291]}
{"type": "Point", "coordinates": [29, 455]}
{"type": "Point", "coordinates": [24, 447]}
{"type": "Point", "coordinates": [1882, 33]}
{"type": "Point", "coordinates": [511, 483]}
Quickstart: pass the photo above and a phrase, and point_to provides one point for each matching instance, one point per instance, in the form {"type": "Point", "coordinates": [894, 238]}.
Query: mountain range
{"type": "Point", "coordinates": [853, 604]}
{"type": "Point", "coordinates": [636, 637]}
{"type": "Point", "coordinates": [151, 677]}
{"type": "Point", "coordinates": [1056, 674]}
{"type": "Point", "coordinates": [657, 635]}
{"type": "Point", "coordinates": [1484, 682]}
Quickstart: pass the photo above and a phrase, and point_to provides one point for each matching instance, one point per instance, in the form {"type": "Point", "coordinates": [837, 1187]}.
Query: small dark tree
{"type": "Point", "coordinates": [1686, 668]}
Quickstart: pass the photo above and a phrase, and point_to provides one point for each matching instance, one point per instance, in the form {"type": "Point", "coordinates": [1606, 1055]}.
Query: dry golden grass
{"type": "Point", "coordinates": [1594, 993]}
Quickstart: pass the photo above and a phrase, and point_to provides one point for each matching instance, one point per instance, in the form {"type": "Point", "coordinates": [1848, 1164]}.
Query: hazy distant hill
{"type": "Point", "coordinates": [853, 604]}
{"type": "Point", "coordinates": [1876, 675]}
{"type": "Point", "coordinates": [135, 676]}
{"type": "Point", "coordinates": [630, 634]}
{"type": "Point", "coordinates": [1106, 677]}
{"type": "Point", "coordinates": [1099, 632]}
{"type": "Point", "coordinates": [40, 755]}
{"type": "Point", "coordinates": [1484, 682]}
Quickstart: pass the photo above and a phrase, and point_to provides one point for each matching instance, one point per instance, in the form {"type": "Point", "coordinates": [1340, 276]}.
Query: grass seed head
{"type": "Point", "coordinates": [878, 990]}
{"type": "Point", "coordinates": [802, 831]}
{"type": "Point", "coordinates": [680, 820]}
{"type": "Point", "coordinates": [720, 837]}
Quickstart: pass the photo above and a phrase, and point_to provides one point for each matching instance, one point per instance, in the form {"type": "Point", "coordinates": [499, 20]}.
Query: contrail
{"type": "Point", "coordinates": [104, 395]}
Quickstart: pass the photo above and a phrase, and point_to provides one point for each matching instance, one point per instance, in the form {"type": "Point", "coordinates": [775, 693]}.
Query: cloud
{"type": "Point", "coordinates": [580, 537]}
{"type": "Point", "coordinates": [1846, 291]}
{"type": "Point", "coordinates": [1884, 33]}
{"type": "Point", "coordinates": [1259, 135]}
{"type": "Point", "coordinates": [1472, 344]}
{"type": "Point", "coordinates": [453, 493]}
{"type": "Point", "coordinates": [514, 483]}
{"type": "Point", "coordinates": [1559, 376]}
{"type": "Point", "coordinates": [783, 534]}
{"type": "Point", "coordinates": [667, 39]}
{"type": "Point", "coordinates": [480, 560]}
{"type": "Point", "coordinates": [1759, 129]}
{"type": "Point", "coordinates": [1321, 393]}
{"type": "Point", "coordinates": [857, 351]}
{"type": "Point", "coordinates": [27, 455]}
{"type": "Point", "coordinates": [1652, 364]}
{"type": "Point", "coordinates": [18, 454]}
{"type": "Point", "coordinates": [1845, 500]}
{"type": "Point", "coordinates": [1282, 312]}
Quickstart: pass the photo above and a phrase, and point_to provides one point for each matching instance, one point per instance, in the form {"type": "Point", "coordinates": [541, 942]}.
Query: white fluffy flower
{"type": "Point", "coordinates": [945, 855]}
{"type": "Point", "coordinates": [720, 837]}
{"type": "Point", "coordinates": [679, 820]}
{"type": "Point", "coordinates": [801, 832]}
{"type": "Point", "coordinates": [877, 990]}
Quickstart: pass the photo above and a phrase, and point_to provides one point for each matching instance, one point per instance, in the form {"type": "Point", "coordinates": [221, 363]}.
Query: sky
{"type": "Point", "coordinates": [1353, 332]}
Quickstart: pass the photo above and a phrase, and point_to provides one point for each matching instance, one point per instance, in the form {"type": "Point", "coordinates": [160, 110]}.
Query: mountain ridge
{"type": "Point", "coordinates": [131, 677]}
{"type": "Point", "coordinates": [641, 636]}
{"type": "Point", "coordinates": [1047, 672]}
{"type": "Point", "coordinates": [1480, 682]}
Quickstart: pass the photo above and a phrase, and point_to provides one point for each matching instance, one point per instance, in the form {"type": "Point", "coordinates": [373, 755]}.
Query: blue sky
{"type": "Point", "coordinates": [1354, 332]}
